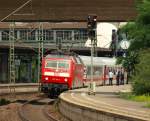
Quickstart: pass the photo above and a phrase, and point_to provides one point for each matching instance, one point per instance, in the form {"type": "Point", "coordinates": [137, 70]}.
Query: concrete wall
{"type": "Point", "coordinates": [80, 113]}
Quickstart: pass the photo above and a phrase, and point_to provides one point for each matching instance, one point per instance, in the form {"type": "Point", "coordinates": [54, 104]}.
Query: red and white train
{"type": "Point", "coordinates": [62, 72]}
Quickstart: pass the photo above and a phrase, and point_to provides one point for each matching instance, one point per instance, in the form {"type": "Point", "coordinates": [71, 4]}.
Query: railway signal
{"type": "Point", "coordinates": [92, 25]}
{"type": "Point", "coordinates": [92, 21]}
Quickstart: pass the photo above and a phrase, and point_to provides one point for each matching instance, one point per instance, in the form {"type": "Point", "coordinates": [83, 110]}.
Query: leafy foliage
{"type": "Point", "coordinates": [4, 102]}
{"type": "Point", "coordinates": [129, 62]}
{"type": "Point", "coordinates": [138, 31]}
{"type": "Point", "coordinates": [137, 61]}
{"type": "Point", "coordinates": [141, 81]}
{"type": "Point", "coordinates": [144, 16]}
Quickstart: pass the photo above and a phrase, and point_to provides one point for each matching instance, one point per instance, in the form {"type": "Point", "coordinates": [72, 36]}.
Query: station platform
{"type": "Point", "coordinates": [18, 88]}
{"type": "Point", "coordinates": [105, 105]}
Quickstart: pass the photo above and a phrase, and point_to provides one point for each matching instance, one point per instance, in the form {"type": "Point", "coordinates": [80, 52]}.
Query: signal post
{"type": "Point", "coordinates": [92, 25]}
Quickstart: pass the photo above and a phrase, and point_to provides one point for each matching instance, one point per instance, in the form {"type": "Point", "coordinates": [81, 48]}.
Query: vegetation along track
{"type": "Point", "coordinates": [35, 110]}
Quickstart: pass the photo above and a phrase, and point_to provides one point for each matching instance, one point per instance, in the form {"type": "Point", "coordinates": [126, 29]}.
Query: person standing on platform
{"type": "Point", "coordinates": [105, 73]}
{"type": "Point", "coordinates": [122, 77]}
{"type": "Point", "coordinates": [110, 77]}
{"type": "Point", "coordinates": [118, 78]}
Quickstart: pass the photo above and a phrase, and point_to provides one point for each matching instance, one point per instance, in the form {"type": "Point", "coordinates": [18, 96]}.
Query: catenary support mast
{"type": "Point", "coordinates": [12, 57]}
{"type": "Point", "coordinates": [40, 50]}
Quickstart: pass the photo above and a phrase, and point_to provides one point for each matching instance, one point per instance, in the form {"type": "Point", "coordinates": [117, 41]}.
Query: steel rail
{"type": "Point", "coordinates": [49, 117]}
{"type": "Point", "coordinates": [21, 112]}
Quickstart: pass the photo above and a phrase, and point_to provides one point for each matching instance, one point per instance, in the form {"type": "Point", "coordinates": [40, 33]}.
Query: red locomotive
{"type": "Point", "coordinates": [61, 72]}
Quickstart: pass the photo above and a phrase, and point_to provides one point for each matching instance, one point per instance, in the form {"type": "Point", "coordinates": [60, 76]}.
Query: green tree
{"type": "Point", "coordinates": [141, 81]}
{"type": "Point", "coordinates": [137, 59]}
{"type": "Point", "coordinates": [138, 31]}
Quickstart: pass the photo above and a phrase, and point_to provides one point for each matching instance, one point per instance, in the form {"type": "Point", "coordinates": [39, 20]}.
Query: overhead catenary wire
{"type": "Point", "coordinates": [13, 12]}
{"type": "Point", "coordinates": [16, 10]}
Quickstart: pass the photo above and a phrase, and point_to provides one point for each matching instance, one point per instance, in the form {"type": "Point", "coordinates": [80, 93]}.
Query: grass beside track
{"type": "Point", "coordinates": [139, 98]}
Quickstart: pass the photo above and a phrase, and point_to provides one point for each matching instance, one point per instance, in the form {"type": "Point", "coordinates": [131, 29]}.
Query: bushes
{"type": "Point", "coordinates": [4, 101]}
{"type": "Point", "coordinates": [141, 80]}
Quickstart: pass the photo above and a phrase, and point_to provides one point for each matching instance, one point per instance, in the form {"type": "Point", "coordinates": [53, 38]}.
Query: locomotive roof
{"type": "Point", "coordinates": [57, 56]}
{"type": "Point", "coordinates": [98, 61]}
{"type": "Point", "coordinates": [75, 57]}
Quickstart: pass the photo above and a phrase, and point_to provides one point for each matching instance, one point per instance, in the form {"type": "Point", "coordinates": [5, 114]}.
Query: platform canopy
{"type": "Point", "coordinates": [66, 10]}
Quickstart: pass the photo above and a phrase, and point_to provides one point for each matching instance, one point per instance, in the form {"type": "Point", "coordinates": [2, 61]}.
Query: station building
{"type": "Point", "coordinates": [64, 21]}
{"type": "Point", "coordinates": [26, 44]}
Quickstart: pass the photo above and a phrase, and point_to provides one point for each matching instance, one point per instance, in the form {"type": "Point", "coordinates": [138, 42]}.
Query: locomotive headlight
{"type": "Point", "coordinates": [46, 78]}
{"type": "Point", "coordinates": [66, 80]}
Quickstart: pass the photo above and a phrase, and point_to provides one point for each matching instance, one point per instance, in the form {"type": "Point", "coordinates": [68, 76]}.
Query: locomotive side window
{"type": "Point", "coordinates": [51, 64]}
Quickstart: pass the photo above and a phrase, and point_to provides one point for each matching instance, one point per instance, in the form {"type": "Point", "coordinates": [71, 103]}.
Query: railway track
{"type": "Point", "coordinates": [35, 110]}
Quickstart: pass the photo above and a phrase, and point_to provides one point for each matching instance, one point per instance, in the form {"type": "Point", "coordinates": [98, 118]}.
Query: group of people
{"type": "Point", "coordinates": [119, 74]}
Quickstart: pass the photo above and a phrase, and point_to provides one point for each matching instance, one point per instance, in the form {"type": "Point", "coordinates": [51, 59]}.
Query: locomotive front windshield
{"type": "Point", "coordinates": [57, 64]}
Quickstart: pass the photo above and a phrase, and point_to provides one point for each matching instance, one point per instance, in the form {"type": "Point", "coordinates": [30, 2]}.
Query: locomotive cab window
{"type": "Point", "coordinates": [51, 64]}
{"type": "Point", "coordinates": [57, 64]}
{"type": "Point", "coordinates": [63, 65]}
